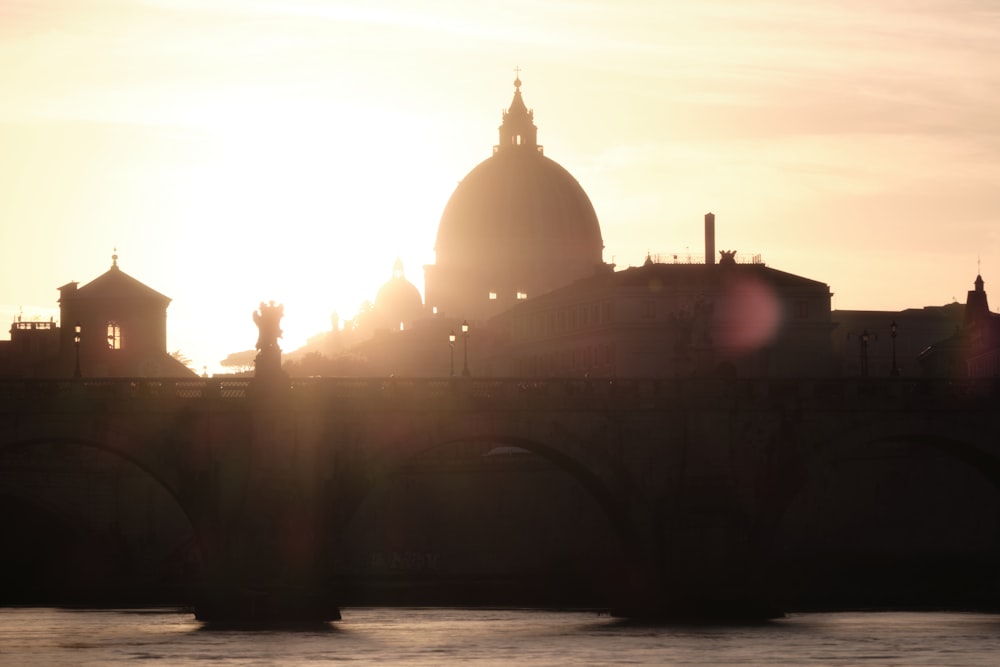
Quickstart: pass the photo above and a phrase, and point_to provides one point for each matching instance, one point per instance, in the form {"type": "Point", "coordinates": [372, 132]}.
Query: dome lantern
{"type": "Point", "coordinates": [518, 128]}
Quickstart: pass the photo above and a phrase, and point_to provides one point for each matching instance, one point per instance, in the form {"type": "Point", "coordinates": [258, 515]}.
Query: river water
{"type": "Point", "coordinates": [397, 636]}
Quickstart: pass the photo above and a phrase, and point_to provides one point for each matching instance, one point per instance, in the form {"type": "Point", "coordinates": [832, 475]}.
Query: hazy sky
{"type": "Point", "coordinates": [236, 151]}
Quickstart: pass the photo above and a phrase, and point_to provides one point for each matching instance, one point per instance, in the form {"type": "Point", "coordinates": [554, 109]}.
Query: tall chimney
{"type": "Point", "coordinates": [710, 238]}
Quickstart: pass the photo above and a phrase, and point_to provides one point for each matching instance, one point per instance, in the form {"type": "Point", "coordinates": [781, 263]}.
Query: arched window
{"type": "Point", "coordinates": [114, 336]}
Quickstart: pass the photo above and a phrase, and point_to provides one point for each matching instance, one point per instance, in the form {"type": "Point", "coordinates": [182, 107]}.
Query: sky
{"type": "Point", "coordinates": [239, 151]}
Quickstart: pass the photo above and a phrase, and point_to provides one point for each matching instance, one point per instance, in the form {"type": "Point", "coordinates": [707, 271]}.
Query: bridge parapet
{"type": "Point", "coordinates": [506, 393]}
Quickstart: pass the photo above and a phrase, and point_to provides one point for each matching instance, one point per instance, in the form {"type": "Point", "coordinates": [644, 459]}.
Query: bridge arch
{"type": "Point", "coordinates": [893, 510]}
{"type": "Point", "coordinates": [607, 492]}
{"type": "Point", "coordinates": [964, 440]}
{"type": "Point", "coordinates": [165, 481]}
{"type": "Point", "coordinates": [479, 458]}
{"type": "Point", "coordinates": [129, 437]}
{"type": "Point", "coordinates": [86, 521]}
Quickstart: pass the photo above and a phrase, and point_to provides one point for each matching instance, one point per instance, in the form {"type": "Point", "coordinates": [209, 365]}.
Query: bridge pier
{"type": "Point", "coordinates": [267, 573]}
{"type": "Point", "coordinates": [265, 567]}
{"type": "Point", "coordinates": [705, 571]}
{"type": "Point", "coordinates": [700, 539]}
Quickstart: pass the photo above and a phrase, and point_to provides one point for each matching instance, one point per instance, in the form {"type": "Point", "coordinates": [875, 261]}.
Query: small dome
{"type": "Point", "coordinates": [398, 301]}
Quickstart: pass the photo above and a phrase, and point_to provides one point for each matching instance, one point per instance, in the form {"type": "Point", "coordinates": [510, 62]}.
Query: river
{"type": "Point", "coordinates": [400, 636]}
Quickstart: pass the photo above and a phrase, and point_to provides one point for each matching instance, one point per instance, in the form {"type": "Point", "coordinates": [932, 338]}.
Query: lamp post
{"type": "Point", "coordinates": [451, 350]}
{"type": "Point", "coordinates": [465, 348]}
{"type": "Point", "coordinates": [892, 333]}
{"type": "Point", "coordinates": [76, 344]}
{"type": "Point", "coordinates": [864, 353]}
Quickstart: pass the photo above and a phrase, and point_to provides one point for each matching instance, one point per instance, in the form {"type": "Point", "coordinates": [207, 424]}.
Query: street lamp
{"type": "Point", "coordinates": [465, 348]}
{"type": "Point", "coordinates": [76, 344]}
{"type": "Point", "coordinates": [864, 353]}
{"type": "Point", "coordinates": [892, 333]}
{"type": "Point", "coordinates": [451, 350]}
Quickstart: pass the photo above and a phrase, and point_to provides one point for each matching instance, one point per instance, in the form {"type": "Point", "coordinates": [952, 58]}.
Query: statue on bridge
{"type": "Point", "coordinates": [268, 321]}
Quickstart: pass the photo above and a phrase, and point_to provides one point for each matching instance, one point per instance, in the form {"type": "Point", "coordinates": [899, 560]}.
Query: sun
{"type": "Point", "coordinates": [310, 211]}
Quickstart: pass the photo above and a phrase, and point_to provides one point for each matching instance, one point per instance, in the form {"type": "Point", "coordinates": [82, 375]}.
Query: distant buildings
{"type": "Point", "coordinates": [519, 262]}
{"type": "Point", "coordinates": [865, 339]}
{"type": "Point", "coordinates": [114, 326]}
{"type": "Point", "coordinates": [982, 331]}
{"type": "Point", "coordinates": [973, 349]}
{"type": "Point", "coordinates": [670, 320]}
{"type": "Point", "coordinates": [519, 288]}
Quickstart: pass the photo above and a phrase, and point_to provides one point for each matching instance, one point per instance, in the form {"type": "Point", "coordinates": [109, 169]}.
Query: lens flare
{"type": "Point", "coordinates": [746, 316]}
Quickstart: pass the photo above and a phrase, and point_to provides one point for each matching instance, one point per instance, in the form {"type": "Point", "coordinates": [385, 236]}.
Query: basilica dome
{"type": "Point", "coordinates": [518, 225]}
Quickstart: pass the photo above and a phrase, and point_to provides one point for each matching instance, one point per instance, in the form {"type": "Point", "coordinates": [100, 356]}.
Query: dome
{"type": "Point", "coordinates": [518, 225]}
{"type": "Point", "coordinates": [515, 202]}
{"type": "Point", "coordinates": [398, 301]}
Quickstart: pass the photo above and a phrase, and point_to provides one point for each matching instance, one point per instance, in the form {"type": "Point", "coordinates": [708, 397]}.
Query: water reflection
{"type": "Point", "coordinates": [420, 636]}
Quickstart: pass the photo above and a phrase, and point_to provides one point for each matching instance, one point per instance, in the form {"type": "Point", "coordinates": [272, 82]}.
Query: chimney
{"type": "Point", "coordinates": [710, 238]}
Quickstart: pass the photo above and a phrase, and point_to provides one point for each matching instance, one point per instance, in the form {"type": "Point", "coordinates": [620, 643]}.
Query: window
{"type": "Point", "coordinates": [521, 296]}
{"type": "Point", "coordinates": [493, 296]}
{"type": "Point", "coordinates": [114, 336]}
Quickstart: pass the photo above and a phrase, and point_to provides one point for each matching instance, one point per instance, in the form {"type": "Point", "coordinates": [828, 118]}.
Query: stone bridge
{"type": "Point", "coordinates": [712, 489]}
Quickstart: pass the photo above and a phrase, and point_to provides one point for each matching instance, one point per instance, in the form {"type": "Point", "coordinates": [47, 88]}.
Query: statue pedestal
{"type": "Point", "coordinates": [267, 365]}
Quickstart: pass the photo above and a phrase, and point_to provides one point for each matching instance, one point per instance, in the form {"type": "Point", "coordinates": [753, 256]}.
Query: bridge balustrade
{"type": "Point", "coordinates": [511, 393]}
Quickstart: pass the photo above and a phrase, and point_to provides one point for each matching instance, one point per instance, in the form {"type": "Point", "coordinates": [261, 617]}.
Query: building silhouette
{"type": "Point", "coordinates": [864, 339]}
{"type": "Point", "coordinates": [113, 326]}
{"type": "Point", "coordinates": [517, 226]}
{"type": "Point", "coordinates": [397, 303]}
{"type": "Point", "coordinates": [982, 328]}
{"type": "Point", "coordinates": [668, 320]}
{"type": "Point", "coordinates": [973, 349]}
{"type": "Point", "coordinates": [519, 262]}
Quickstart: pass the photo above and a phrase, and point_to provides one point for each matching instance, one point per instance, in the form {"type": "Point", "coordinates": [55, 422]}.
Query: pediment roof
{"type": "Point", "coordinates": [116, 284]}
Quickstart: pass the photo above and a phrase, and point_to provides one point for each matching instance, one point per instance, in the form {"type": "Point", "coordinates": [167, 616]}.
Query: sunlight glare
{"type": "Point", "coordinates": [317, 205]}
